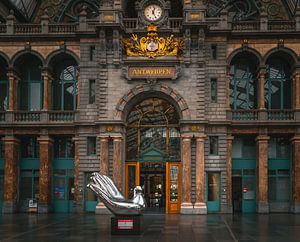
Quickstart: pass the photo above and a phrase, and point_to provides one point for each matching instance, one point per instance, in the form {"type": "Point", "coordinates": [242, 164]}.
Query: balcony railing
{"type": "Point", "coordinates": [28, 28]}
{"type": "Point", "coordinates": [244, 115]}
{"type": "Point", "coordinates": [2, 28]}
{"type": "Point", "coordinates": [246, 26]}
{"type": "Point", "coordinates": [281, 115]}
{"type": "Point", "coordinates": [62, 28]}
{"type": "Point", "coordinates": [262, 115]}
{"type": "Point", "coordinates": [281, 25]}
{"type": "Point", "coordinates": [22, 116]}
{"type": "Point", "coordinates": [130, 23]}
{"type": "Point", "coordinates": [19, 117]}
{"type": "Point", "coordinates": [58, 116]}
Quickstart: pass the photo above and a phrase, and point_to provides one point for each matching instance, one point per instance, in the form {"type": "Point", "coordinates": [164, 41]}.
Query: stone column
{"type": "Point", "coordinates": [76, 173]}
{"type": "Point", "coordinates": [104, 163]}
{"type": "Point", "coordinates": [261, 89]}
{"type": "Point", "coordinates": [200, 205]}
{"type": "Point", "coordinates": [117, 162]}
{"type": "Point", "coordinates": [262, 173]}
{"type": "Point", "coordinates": [47, 102]}
{"type": "Point", "coordinates": [104, 170]}
{"type": "Point", "coordinates": [229, 172]}
{"type": "Point", "coordinates": [296, 174]}
{"type": "Point", "coordinates": [296, 91]}
{"type": "Point", "coordinates": [13, 92]}
{"type": "Point", "coordinates": [11, 174]}
{"type": "Point", "coordinates": [186, 201]}
{"type": "Point", "coordinates": [46, 154]}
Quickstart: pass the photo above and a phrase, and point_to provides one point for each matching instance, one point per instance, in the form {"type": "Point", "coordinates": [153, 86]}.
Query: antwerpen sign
{"type": "Point", "coordinates": [152, 72]}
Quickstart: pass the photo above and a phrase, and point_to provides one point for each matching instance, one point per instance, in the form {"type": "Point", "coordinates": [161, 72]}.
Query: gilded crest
{"type": "Point", "coordinates": [153, 46]}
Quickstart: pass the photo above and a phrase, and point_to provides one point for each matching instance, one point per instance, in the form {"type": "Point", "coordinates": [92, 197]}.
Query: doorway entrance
{"type": "Point", "coordinates": [160, 182]}
{"type": "Point", "coordinates": [153, 183]}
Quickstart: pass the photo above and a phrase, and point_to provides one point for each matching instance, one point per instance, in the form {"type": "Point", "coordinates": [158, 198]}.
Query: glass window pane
{"type": "Point", "coordinates": [153, 137]}
{"type": "Point", "coordinates": [213, 145]}
{"type": "Point", "coordinates": [25, 187]}
{"type": "Point", "coordinates": [236, 172]}
{"type": "Point", "coordinates": [249, 172]}
{"type": "Point", "coordinates": [237, 147]}
{"type": "Point", "coordinates": [57, 95]}
{"type": "Point", "coordinates": [213, 186]}
{"type": "Point", "coordinates": [174, 183]}
{"type": "Point", "coordinates": [283, 189]}
{"type": "Point", "coordinates": [69, 89]}
{"type": "Point", "coordinates": [92, 96]}
{"type": "Point", "coordinates": [272, 188]}
{"type": "Point", "coordinates": [36, 187]}
{"type": "Point", "coordinates": [61, 172]}
{"type": "Point", "coordinates": [249, 147]}
{"type": "Point", "coordinates": [23, 97]}
{"type": "Point", "coordinates": [174, 144]}
{"type": "Point", "coordinates": [59, 188]}
{"type": "Point", "coordinates": [35, 96]}
{"type": "Point", "coordinates": [91, 146]}
{"type": "Point", "coordinates": [213, 90]}
{"type": "Point", "coordinates": [132, 143]}
{"type": "Point", "coordinates": [3, 96]}
{"type": "Point", "coordinates": [283, 172]}
{"type": "Point", "coordinates": [131, 180]}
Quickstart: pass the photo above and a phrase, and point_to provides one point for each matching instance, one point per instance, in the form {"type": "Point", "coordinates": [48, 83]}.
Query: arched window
{"type": "Point", "coordinates": [30, 85]}
{"type": "Point", "coordinates": [4, 85]}
{"type": "Point", "coordinates": [64, 85]}
{"type": "Point", "coordinates": [153, 126]}
{"type": "Point", "coordinates": [278, 84]}
{"type": "Point", "coordinates": [243, 82]}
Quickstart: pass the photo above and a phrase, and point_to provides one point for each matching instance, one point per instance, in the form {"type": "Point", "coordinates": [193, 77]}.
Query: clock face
{"type": "Point", "coordinates": [153, 12]}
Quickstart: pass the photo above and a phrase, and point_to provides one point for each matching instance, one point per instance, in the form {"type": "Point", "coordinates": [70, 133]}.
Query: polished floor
{"type": "Point", "coordinates": [185, 228]}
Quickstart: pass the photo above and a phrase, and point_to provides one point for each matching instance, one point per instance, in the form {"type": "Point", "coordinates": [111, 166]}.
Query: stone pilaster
{"type": "Point", "coordinates": [262, 173]}
{"type": "Point", "coordinates": [76, 174]}
{"type": "Point", "coordinates": [117, 162]}
{"type": "Point", "coordinates": [104, 170]}
{"type": "Point", "coordinates": [261, 88]}
{"type": "Point", "coordinates": [13, 91]}
{"type": "Point", "coordinates": [11, 174]}
{"type": "Point", "coordinates": [186, 202]}
{"type": "Point", "coordinates": [46, 154]}
{"type": "Point", "coordinates": [200, 205]}
{"type": "Point", "coordinates": [47, 102]}
{"type": "Point", "coordinates": [229, 172]}
{"type": "Point", "coordinates": [296, 91]}
{"type": "Point", "coordinates": [296, 175]}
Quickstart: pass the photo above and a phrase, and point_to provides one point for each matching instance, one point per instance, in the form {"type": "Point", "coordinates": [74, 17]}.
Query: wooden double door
{"type": "Point", "coordinates": [160, 182]}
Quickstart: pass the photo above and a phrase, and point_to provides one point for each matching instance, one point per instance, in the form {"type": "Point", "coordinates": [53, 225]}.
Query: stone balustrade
{"type": "Point", "coordinates": [243, 115]}
{"type": "Point", "coordinates": [34, 117]}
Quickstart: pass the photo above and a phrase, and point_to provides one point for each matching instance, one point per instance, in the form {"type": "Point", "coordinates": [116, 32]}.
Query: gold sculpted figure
{"type": "Point", "coordinates": [153, 46]}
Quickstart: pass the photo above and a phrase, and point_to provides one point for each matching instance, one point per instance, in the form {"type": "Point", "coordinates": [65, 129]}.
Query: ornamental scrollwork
{"type": "Point", "coordinates": [152, 45]}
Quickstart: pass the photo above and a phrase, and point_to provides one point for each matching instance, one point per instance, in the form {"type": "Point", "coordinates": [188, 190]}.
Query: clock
{"type": "Point", "coordinates": [153, 12]}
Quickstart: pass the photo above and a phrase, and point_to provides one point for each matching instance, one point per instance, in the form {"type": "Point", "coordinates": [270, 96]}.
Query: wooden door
{"type": "Point", "coordinates": [173, 187]}
{"type": "Point", "coordinates": [132, 177]}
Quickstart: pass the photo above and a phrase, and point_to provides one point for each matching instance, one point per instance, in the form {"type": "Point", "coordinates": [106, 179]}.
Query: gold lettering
{"type": "Point", "coordinates": [153, 72]}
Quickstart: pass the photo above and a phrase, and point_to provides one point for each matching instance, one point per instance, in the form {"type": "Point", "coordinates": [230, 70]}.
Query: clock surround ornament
{"type": "Point", "coordinates": [152, 46]}
{"type": "Point", "coordinates": [152, 12]}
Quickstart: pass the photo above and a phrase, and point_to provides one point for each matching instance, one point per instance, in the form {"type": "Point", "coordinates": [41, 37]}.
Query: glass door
{"type": "Point", "coordinates": [173, 187]}
{"type": "Point", "coordinates": [132, 178]}
{"type": "Point", "coordinates": [90, 197]}
{"type": "Point", "coordinates": [213, 192]}
{"type": "Point", "coordinates": [63, 190]}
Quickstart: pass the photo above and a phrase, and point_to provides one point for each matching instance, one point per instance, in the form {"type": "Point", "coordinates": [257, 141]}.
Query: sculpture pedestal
{"type": "Point", "coordinates": [127, 225]}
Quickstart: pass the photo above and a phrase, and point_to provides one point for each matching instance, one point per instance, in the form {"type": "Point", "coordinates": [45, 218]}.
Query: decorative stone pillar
{"type": "Point", "coordinates": [186, 201]}
{"type": "Point", "coordinates": [13, 91]}
{"type": "Point", "coordinates": [117, 162]}
{"type": "Point", "coordinates": [47, 102]}
{"type": "Point", "coordinates": [261, 88]}
{"type": "Point", "coordinates": [200, 205]}
{"type": "Point", "coordinates": [104, 170]}
{"type": "Point", "coordinates": [11, 174]}
{"type": "Point", "coordinates": [104, 163]}
{"type": "Point", "coordinates": [262, 173]}
{"type": "Point", "coordinates": [76, 173]}
{"type": "Point", "coordinates": [296, 174]}
{"type": "Point", "coordinates": [46, 154]}
{"type": "Point", "coordinates": [229, 172]}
